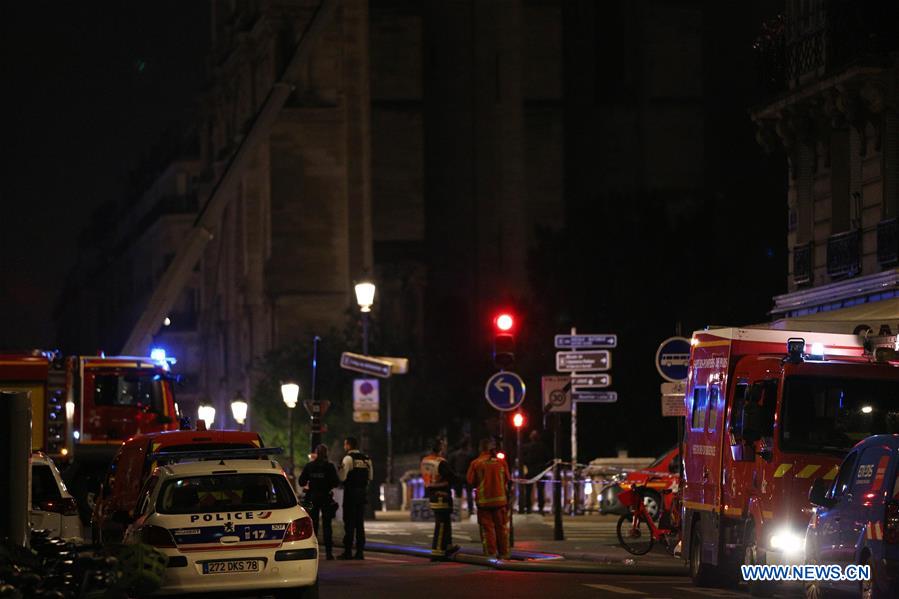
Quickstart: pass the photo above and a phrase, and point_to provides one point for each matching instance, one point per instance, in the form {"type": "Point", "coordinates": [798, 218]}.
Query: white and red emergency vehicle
{"type": "Point", "coordinates": [768, 412]}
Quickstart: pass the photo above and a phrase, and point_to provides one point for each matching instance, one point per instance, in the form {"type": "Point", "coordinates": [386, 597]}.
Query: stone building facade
{"type": "Point", "coordinates": [834, 71]}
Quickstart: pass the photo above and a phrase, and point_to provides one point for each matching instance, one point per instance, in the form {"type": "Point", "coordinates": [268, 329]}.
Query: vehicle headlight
{"type": "Point", "coordinates": [787, 541]}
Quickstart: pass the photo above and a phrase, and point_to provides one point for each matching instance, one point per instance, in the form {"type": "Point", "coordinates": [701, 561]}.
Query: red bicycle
{"type": "Point", "coordinates": [637, 532]}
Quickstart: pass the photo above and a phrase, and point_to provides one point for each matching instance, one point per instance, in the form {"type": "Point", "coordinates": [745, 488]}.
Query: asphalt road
{"type": "Point", "coordinates": [384, 575]}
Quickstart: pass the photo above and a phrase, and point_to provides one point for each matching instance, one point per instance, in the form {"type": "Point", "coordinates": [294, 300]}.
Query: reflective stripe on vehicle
{"type": "Point", "coordinates": [808, 471]}
{"type": "Point", "coordinates": [781, 470]}
{"type": "Point", "coordinates": [832, 474]}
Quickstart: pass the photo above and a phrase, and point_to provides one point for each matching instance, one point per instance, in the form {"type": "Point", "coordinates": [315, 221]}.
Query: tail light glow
{"type": "Point", "coordinates": [299, 530]}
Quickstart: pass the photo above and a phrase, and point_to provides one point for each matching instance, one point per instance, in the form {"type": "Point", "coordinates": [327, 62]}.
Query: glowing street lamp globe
{"type": "Point", "coordinates": [289, 393]}
{"type": "Point", "coordinates": [365, 295]}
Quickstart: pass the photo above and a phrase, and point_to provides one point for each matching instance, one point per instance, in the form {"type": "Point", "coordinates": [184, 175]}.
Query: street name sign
{"type": "Point", "coordinates": [365, 395]}
{"type": "Point", "coordinates": [504, 391]}
{"type": "Point", "coordinates": [587, 382]}
{"type": "Point", "coordinates": [673, 399]}
{"type": "Point", "coordinates": [593, 341]}
{"type": "Point", "coordinates": [673, 359]}
{"type": "Point", "coordinates": [595, 396]}
{"type": "Point", "coordinates": [556, 391]}
{"type": "Point", "coordinates": [365, 364]}
{"type": "Point", "coordinates": [583, 361]}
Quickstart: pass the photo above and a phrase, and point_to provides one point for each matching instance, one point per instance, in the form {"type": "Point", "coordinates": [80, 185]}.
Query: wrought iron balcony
{"type": "Point", "coordinates": [802, 264]}
{"type": "Point", "coordinates": [887, 243]}
{"type": "Point", "coordinates": [844, 254]}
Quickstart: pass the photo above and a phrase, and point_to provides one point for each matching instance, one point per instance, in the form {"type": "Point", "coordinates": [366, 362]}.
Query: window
{"type": "Point", "coordinates": [844, 476]}
{"type": "Point", "coordinates": [714, 393]}
{"type": "Point", "coordinates": [736, 410]}
{"type": "Point", "coordinates": [224, 493]}
{"type": "Point", "coordinates": [43, 484]}
{"type": "Point", "coordinates": [144, 502]}
{"type": "Point", "coordinates": [699, 408]}
{"type": "Point", "coordinates": [833, 414]}
{"type": "Point", "coordinates": [141, 391]}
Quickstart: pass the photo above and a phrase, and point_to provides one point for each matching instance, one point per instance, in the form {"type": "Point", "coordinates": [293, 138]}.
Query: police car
{"type": "Point", "coordinates": [227, 524]}
{"type": "Point", "coordinates": [856, 519]}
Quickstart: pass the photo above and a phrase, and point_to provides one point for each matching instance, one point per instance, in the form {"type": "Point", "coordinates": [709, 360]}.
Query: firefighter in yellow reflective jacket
{"type": "Point", "coordinates": [490, 476]}
{"type": "Point", "coordinates": [438, 478]}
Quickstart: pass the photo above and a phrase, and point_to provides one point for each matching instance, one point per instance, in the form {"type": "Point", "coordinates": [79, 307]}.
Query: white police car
{"type": "Point", "coordinates": [229, 524]}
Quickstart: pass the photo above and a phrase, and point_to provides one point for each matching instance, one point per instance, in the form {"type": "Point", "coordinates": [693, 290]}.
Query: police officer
{"type": "Point", "coordinates": [489, 475]}
{"type": "Point", "coordinates": [355, 473]}
{"type": "Point", "coordinates": [321, 476]}
{"type": "Point", "coordinates": [438, 476]}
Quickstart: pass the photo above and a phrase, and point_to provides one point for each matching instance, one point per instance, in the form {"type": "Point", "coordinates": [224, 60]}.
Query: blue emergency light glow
{"type": "Point", "coordinates": [818, 350]}
{"type": "Point", "coordinates": [158, 354]}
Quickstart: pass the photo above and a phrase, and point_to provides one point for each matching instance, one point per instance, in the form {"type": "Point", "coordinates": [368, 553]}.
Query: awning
{"type": "Point", "coordinates": [843, 320]}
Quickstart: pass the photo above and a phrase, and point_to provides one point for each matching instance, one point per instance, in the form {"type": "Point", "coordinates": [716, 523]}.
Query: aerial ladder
{"type": "Point", "coordinates": [201, 233]}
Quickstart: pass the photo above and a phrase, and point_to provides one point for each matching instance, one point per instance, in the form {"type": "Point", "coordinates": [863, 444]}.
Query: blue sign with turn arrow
{"type": "Point", "coordinates": [504, 391]}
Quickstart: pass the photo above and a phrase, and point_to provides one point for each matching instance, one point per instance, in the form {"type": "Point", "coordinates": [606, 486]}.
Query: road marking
{"type": "Point", "coordinates": [710, 592]}
{"type": "Point", "coordinates": [387, 560]}
{"type": "Point", "coordinates": [613, 589]}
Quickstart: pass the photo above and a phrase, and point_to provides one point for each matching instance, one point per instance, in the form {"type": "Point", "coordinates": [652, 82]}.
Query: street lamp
{"type": "Point", "coordinates": [239, 409]}
{"type": "Point", "coordinates": [206, 413]}
{"type": "Point", "coordinates": [289, 393]}
{"type": "Point", "coordinates": [365, 297]}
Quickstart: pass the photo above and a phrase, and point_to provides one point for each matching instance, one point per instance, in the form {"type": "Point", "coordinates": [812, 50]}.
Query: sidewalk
{"type": "Point", "coordinates": [590, 542]}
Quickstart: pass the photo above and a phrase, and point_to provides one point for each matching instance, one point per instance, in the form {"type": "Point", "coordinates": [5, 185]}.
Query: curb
{"type": "Point", "coordinates": [525, 561]}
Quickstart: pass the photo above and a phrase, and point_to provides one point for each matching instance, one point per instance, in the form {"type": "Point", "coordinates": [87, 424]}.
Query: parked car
{"type": "Point", "coordinates": [228, 524]}
{"type": "Point", "coordinates": [665, 471]}
{"type": "Point", "coordinates": [131, 467]}
{"type": "Point", "coordinates": [52, 506]}
{"type": "Point", "coordinates": [856, 519]}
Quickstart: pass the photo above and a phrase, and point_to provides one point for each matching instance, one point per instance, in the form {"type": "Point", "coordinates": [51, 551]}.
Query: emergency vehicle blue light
{"type": "Point", "coordinates": [158, 354]}
{"type": "Point", "coordinates": [818, 350]}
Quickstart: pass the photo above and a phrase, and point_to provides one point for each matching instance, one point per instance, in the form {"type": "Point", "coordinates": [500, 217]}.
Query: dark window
{"type": "Point", "coordinates": [844, 476]}
{"type": "Point", "coordinates": [736, 411]}
{"type": "Point", "coordinates": [699, 407]}
{"type": "Point", "coordinates": [129, 391]}
{"type": "Point", "coordinates": [225, 492]}
{"type": "Point", "coordinates": [43, 484]}
{"type": "Point", "coordinates": [833, 414]}
{"type": "Point", "coordinates": [714, 393]}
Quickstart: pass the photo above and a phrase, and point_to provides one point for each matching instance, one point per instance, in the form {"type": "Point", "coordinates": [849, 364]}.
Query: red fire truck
{"type": "Point", "coordinates": [90, 401]}
{"type": "Point", "coordinates": [768, 412]}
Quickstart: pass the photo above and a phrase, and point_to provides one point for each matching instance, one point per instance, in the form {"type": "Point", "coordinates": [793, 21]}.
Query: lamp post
{"type": "Point", "coordinates": [239, 409]}
{"type": "Point", "coordinates": [365, 297]}
{"type": "Point", "coordinates": [206, 413]}
{"type": "Point", "coordinates": [289, 393]}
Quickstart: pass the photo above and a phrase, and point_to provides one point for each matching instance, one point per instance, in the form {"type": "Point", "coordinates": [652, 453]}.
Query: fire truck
{"type": "Point", "coordinates": [80, 403]}
{"type": "Point", "coordinates": [768, 412]}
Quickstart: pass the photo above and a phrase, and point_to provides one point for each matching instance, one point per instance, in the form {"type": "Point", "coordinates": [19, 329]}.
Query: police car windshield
{"type": "Point", "coordinates": [225, 493]}
{"type": "Point", "coordinates": [833, 414]}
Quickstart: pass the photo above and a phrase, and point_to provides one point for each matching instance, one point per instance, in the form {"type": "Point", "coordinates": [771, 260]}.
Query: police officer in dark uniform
{"type": "Point", "coordinates": [321, 476]}
{"type": "Point", "coordinates": [355, 473]}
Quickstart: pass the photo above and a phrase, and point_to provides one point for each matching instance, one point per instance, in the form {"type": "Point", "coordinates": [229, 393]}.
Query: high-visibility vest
{"type": "Point", "coordinates": [489, 475]}
{"type": "Point", "coordinates": [430, 471]}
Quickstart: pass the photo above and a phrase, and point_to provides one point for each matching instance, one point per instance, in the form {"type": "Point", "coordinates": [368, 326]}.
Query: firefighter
{"type": "Point", "coordinates": [321, 476]}
{"type": "Point", "coordinates": [355, 474]}
{"type": "Point", "coordinates": [490, 476]}
{"type": "Point", "coordinates": [438, 476]}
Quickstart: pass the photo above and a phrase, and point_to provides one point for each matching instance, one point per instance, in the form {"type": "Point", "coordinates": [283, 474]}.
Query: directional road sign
{"type": "Point", "coordinates": [595, 396]}
{"type": "Point", "coordinates": [365, 364]}
{"type": "Point", "coordinates": [504, 391]}
{"type": "Point", "coordinates": [594, 341]}
{"type": "Point", "coordinates": [586, 382]}
{"type": "Point", "coordinates": [673, 359]}
{"type": "Point", "coordinates": [583, 361]}
{"type": "Point", "coordinates": [556, 393]}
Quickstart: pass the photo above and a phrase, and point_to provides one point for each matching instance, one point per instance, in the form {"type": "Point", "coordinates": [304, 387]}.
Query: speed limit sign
{"type": "Point", "coordinates": [556, 393]}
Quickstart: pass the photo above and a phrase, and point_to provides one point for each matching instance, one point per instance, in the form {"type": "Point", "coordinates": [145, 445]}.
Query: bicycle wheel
{"type": "Point", "coordinates": [638, 539]}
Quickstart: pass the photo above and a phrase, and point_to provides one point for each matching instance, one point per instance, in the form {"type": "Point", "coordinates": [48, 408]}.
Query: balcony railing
{"type": "Point", "coordinates": [802, 264]}
{"type": "Point", "coordinates": [844, 254]}
{"type": "Point", "coordinates": [832, 35]}
{"type": "Point", "coordinates": [887, 243]}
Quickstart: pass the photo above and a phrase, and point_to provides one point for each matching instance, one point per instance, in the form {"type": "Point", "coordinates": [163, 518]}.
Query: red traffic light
{"type": "Point", "coordinates": [504, 321]}
{"type": "Point", "coordinates": [518, 420]}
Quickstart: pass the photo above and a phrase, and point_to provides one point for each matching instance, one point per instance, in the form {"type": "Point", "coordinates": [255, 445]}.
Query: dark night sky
{"type": "Point", "coordinates": [88, 87]}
